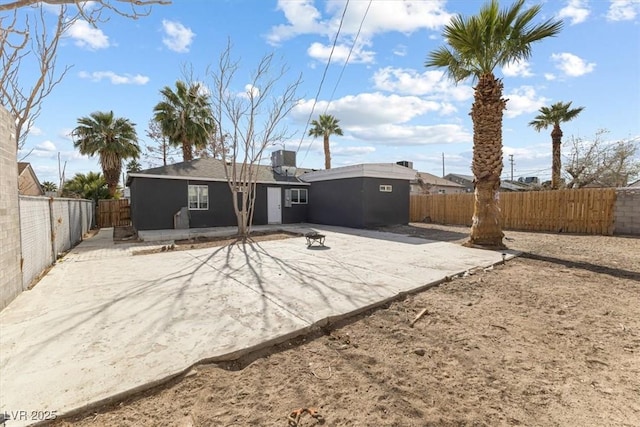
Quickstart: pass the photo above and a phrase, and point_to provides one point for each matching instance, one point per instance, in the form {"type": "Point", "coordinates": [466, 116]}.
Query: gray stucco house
{"type": "Point", "coordinates": [361, 196]}
{"type": "Point", "coordinates": [200, 186]}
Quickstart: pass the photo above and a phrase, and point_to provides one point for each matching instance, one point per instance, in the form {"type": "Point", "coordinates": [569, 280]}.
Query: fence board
{"type": "Point", "coordinates": [587, 211]}
{"type": "Point", "coordinates": [113, 213]}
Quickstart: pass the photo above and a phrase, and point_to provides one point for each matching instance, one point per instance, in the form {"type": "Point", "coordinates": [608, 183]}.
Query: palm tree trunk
{"type": "Point", "coordinates": [187, 151]}
{"type": "Point", "coordinates": [112, 177]}
{"type": "Point", "coordinates": [486, 114]}
{"type": "Point", "coordinates": [556, 162]}
{"type": "Point", "coordinates": [327, 154]}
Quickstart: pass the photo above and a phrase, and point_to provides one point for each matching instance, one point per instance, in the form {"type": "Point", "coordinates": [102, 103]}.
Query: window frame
{"type": "Point", "coordinates": [299, 191]}
{"type": "Point", "coordinates": [199, 202]}
{"type": "Point", "coordinates": [386, 188]}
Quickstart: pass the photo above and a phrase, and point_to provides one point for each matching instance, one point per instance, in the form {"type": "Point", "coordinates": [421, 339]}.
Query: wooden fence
{"type": "Point", "coordinates": [588, 211]}
{"type": "Point", "coordinates": [113, 213]}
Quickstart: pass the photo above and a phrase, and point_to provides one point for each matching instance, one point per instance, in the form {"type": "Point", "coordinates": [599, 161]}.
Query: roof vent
{"type": "Point", "coordinates": [406, 164]}
{"type": "Point", "coordinates": [283, 158]}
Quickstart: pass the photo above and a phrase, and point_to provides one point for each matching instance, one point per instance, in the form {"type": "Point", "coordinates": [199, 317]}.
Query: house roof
{"type": "Point", "coordinates": [22, 166]}
{"type": "Point", "coordinates": [209, 169]}
{"type": "Point", "coordinates": [368, 170]}
{"type": "Point", "coordinates": [431, 179]}
{"type": "Point", "coordinates": [513, 186]}
{"type": "Point", "coordinates": [457, 175]}
{"type": "Point", "coordinates": [24, 170]}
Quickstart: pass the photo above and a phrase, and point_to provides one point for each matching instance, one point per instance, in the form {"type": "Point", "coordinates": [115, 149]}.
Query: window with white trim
{"type": "Point", "coordinates": [386, 188]}
{"type": "Point", "coordinates": [299, 196]}
{"type": "Point", "coordinates": [198, 197]}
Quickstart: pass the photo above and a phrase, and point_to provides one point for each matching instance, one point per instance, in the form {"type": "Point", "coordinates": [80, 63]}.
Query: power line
{"type": "Point", "coordinates": [353, 45]}
{"type": "Point", "coordinates": [324, 74]}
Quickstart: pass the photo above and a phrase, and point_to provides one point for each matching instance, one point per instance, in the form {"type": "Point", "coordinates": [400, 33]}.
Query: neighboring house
{"type": "Point", "coordinates": [634, 184]}
{"type": "Point", "coordinates": [514, 186]}
{"type": "Point", "coordinates": [28, 183]}
{"type": "Point", "coordinates": [467, 182]}
{"type": "Point", "coordinates": [360, 196]}
{"type": "Point", "coordinates": [427, 183]}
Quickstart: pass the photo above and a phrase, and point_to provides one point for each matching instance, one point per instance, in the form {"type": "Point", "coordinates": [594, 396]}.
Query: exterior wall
{"type": "Point", "coordinates": [436, 189]}
{"type": "Point", "coordinates": [627, 211]}
{"type": "Point", "coordinates": [154, 202]}
{"type": "Point", "coordinates": [10, 276]}
{"type": "Point", "coordinates": [385, 208]}
{"type": "Point", "coordinates": [337, 202]}
{"type": "Point", "coordinates": [359, 203]}
{"type": "Point", "coordinates": [27, 185]}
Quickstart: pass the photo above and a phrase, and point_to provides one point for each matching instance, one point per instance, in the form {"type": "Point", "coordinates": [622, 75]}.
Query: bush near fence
{"type": "Point", "coordinates": [49, 227]}
{"type": "Point", "coordinates": [589, 211]}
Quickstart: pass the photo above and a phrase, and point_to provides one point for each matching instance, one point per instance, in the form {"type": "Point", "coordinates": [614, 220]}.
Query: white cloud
{"type": "Point", "coordinates": [572, 65]}
{"type": "Point", "coordinates": [321, 52]}
{"type": "Point", "coordinates": [302, 17]}
{"type": "Point", "coordinates": [523, 100]}
{"type": "Point", "coordinates": [412, 135]}
{"type": "Point", "coordinates": [116, 79]}
{"type": "Point", "coordinates": [576, 10]}
{"type": "Point", "coordinates": [66, 134]}
{"type": "Point", "coordinates": [249, 89]}
{"type": "Point", "coordinates": [430, 82]}
{"type": "Point", "coordinates": [519, 68]}
{"type": "Point", "coordinates": [351, 151]}
{"type": "Point", "coordinates": [87, 36]}
{"type": "Point", "coordinates": [46, 146]}
{"type": "Point", "coordinates": [370, 109]}
{"type": "Point", "coordinates": [549, 76]}
{"type": "Point", "coordinates": [35, 131]}
{"type": "Point", "coordinates": [400, 50]}
{"type": "Point", "coordinates": [177, 38]}
{"type": "Point", "coordinates": [623, 10]}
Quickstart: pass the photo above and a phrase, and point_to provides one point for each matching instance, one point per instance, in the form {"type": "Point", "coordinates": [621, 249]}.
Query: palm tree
{"type": "Point", "coordinates": [477, 45]}
{"type": "Point", "coordinates": [49, 186]}
{"type": "Point", "coordinates": [559, 112]}
{"type": "Point", "coordinates": [326, 126]}
{"type": "Point", "coordinates": [91, 186]}
{"type": "Point", "coordinates": [185, 117]}
{"type": "Point", "coordinates": [112, 139]}
{"type": "Point", "coordinates": [134, 166]}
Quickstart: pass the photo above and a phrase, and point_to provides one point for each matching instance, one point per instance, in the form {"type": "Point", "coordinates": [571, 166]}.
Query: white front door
{"type": "Point", "coordinates": [274, 205]}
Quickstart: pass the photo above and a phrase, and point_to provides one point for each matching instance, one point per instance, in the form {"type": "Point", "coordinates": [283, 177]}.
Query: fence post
{"type": "Point", "coordinates": [53, 233]}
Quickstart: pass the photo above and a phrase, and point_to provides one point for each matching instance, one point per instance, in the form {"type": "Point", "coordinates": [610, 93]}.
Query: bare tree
{"type": "Point", "coordinates": [162, 151]}
{"type": "Point", "coordinates": [30, 37]}
{"type": "Point", "coordinates": [610, 164]}
{"type": "Point", "coordinates": [247, 124]}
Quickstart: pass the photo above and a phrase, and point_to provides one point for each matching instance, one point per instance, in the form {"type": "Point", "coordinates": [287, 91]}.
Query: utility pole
{"type": "Point", "coordinates": [443, 165]}
{"type": "Point", "coordinates": [511, 161]}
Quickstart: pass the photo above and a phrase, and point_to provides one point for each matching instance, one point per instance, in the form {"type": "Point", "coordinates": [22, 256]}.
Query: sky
{"type": "Point", "coordinates": [391, 108]}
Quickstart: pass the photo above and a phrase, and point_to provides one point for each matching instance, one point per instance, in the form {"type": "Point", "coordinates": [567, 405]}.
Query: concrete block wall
{"type": "Point", "coordinates": [35, 237]}
{"type": "Point", "coordinates": [69, 219]}
{"type": "Point", "coordinates": [10, 276]}
{"type": "Point", "coordinates": [627, 211]}
{"type": "Point", "coordinates": [60, 224]}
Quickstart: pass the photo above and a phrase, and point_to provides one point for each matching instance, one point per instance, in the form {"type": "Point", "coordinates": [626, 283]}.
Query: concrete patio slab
{"type": "Point", "coordinates": [103, 323]}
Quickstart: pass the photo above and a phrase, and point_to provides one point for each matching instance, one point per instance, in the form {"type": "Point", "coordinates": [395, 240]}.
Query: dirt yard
{"type": "Point", "coordinates": [551, 338]}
